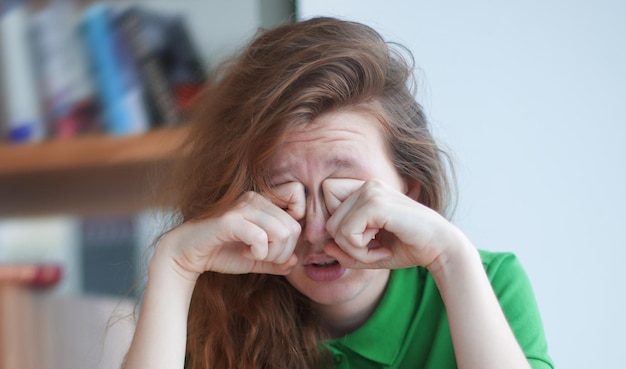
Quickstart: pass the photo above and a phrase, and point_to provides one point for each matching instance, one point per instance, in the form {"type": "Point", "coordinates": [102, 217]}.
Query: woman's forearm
{"type": "Point", "coordinates": [481, 335]}
{"type": "Point", "coordinates": [161, 333]}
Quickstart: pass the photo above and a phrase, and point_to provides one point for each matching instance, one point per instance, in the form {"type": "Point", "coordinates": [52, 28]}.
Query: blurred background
{"type": "Point", "coordinates": [527, 96]}
{"type": "Point", "coordinates": [93, 99]}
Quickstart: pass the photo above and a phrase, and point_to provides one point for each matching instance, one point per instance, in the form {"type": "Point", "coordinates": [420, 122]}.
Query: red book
{"type": "Point", "coordinates": [34, 275]}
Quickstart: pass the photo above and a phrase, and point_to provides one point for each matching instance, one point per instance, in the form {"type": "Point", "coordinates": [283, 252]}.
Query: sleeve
{"type": "Point", "coordinates": [517, 299]}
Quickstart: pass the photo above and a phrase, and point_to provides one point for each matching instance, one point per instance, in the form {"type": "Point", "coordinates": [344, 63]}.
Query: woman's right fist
{"type": "Point", "coordinates": [258, 234]}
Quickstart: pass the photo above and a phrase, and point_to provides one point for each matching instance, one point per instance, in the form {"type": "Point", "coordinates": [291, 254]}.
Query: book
{"type": "Point", "coordinates": [108, 254]}
{"type": "Point", "coordinates": [22, 111]}
{"type": "Point", "coordinates": [32, 275]}
{"type": "Point", "coordinates": [170, 67]}
{"type": "Point", "coordinates": [69, 100]}
{"type": "Point", "coordinates": [120, 91]}
{"type": "Point", "coordinates": [147, 36]}
{"type": "Point", "coordinates": [186, 71]}
{"type": "Point", "coordinates": [3, 116]}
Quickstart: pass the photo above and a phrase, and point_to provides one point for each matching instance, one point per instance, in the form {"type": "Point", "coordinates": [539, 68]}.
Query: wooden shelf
{"type": "Point", "coordinates": [89, 152]}
{"type": "Point", "coordinates": [87, 175]}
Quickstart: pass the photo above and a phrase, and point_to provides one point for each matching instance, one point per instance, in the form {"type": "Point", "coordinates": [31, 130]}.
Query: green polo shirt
{"type": "Point", "coordinates": [409, 328]}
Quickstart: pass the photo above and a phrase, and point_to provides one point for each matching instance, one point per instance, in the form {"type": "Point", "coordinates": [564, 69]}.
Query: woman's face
{"type": "Point", "coordinates": [339, 145]}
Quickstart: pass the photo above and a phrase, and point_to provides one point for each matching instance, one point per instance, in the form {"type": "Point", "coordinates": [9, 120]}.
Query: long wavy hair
{"type": "Point", "coordinates": [285, 77]}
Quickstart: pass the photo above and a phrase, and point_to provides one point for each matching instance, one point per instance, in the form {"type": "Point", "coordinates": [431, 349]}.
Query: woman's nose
{"type": "Point", "coordinates": [314, 226]}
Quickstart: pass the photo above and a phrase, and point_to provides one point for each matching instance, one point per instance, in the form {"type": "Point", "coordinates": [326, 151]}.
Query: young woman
{"type": "Point", "coordinates": [313, 232]}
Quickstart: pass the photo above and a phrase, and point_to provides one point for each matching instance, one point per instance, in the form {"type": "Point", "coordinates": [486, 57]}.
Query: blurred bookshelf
{"type": "Point", "coordinates": [98, 171]}
{"type": "Point", "coordinates": [88, 175]}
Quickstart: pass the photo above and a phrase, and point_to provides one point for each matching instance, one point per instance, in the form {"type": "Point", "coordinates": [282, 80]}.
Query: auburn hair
{"type": "Point", "coordinates": [284, 77]}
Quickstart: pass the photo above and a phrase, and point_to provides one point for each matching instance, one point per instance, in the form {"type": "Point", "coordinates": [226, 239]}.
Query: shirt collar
{"type": "Point", "coordinates": [381, 337]}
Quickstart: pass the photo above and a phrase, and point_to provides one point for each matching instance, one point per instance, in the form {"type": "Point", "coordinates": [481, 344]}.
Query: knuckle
{"type": "Point", "coordinates": [347, 236]}
{"type": "Point", "coordinates": [282, 258]}
{"type": "Point", "coordinates": [282, 234]}
{"type": "Point", "coordinates": [289, 191]}
{"type": "Point", "coordinates": [296, 188]}
{"type": "Point", "coordinates": [248, 197]}
{"type": "Point", "coordinates": [259, 237]}
{"type": "Point", "coordinates": [373, 183]}
{"type": "Point", "coordinates": [373, 187]}
{"type": "Point", "coordinates": [295, 228]}
{"type": "Point", "coordinates": [229, 218]}
{"type": "Point", "coordinates": [373, 193]}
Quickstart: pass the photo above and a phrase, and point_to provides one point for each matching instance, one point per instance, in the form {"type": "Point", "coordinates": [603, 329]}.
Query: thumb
{"type": "Point", "coordinates": [290, 196]}
{"type": "Point", "coordinates": [265, 267]}
{"type": "Point", "coordinates": [337, 190]}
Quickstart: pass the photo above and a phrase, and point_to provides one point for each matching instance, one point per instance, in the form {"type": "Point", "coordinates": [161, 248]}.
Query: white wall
{"type": "Point", "coordinates": [530, 96]}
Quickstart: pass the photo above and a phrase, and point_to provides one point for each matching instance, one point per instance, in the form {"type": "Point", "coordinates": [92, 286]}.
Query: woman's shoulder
{"type": "Point", "coordinates": [506, 274]}
{"type": "Point", "coordinates": [504, 270]}
{"type": "Point", "coordinates": [499, 261]}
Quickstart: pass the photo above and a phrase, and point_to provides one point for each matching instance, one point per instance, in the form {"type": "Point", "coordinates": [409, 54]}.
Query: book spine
{"type": "Point", "coordinates": [23, 116]}
{"type": "Point", "coordinates": [159, 93]}
{"type": "Point", "coordinates": [188, 74]}
{"type": "Point", "coordinates": [67, 88]}
{"type": "Point", "coordinates": [3, 113]}
{"type": "Point", "coordinates": [121, 95]}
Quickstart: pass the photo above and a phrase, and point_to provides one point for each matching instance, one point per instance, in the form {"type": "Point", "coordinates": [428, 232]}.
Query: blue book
{"type": "Point", "coordinates": [120, 90]}
{"type": "Point", "coordinates": [21, 105]}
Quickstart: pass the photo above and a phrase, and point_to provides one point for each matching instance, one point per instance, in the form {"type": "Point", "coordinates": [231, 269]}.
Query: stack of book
{"type": "Point", "coordinates": [67, 70]}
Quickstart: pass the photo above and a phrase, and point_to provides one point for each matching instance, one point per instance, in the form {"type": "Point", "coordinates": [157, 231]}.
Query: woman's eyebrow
{"type": "Point", "coordinates": [277, 176]}
{"type": "Point", "coordinates": [347, 162]}
{"type": "Point", "coordinates": [280, 171]}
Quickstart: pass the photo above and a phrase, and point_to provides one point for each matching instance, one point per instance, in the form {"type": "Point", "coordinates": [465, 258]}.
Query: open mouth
{"type": "Point", "coordinates": [323, 268]}
{"type": "Point", "coordinates": [325, 264]}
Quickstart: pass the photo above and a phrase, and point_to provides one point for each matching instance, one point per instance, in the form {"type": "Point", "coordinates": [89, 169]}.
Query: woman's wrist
{"type": "Point", "coordinates": [160, 336]}
{"type": "Point", "coordinates": [164, 265]}
{"type": "Point", "coordinates": [457, 254]}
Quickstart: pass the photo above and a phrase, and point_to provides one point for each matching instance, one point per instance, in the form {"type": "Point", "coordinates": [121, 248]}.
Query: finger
{"type": "Point", "coordinates": [337, 190]}
{"type": "Point", "coordinates": [259, 245]}
{"type": "Point", "coordinates": [254, 236]}
{"type": "Point", "coordinates": [265, 267]}
{"type": "Point", "coordinates": [282, 231]}
{"type": "Point", "coordinates": [278, 240]}
{"type": "Point", "coordinates": [358, 219]}
{"type": "Point", "coordinates": [348, 224]}
{"type": "Point", "coordinates": [290, 197]}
